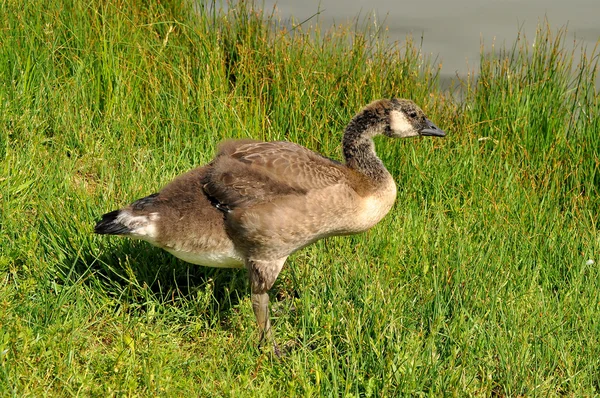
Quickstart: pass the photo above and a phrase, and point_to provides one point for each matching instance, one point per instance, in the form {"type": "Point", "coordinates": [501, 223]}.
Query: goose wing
{"type": "Point", "coordinates": [245, 173]}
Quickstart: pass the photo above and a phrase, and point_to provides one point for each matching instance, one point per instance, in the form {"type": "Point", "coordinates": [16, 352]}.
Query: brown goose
{"type": "Point", "coordinates": [258, 202]}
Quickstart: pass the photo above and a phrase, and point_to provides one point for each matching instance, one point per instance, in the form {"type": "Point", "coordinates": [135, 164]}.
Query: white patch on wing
{"type": "Point", "coordinates": [401, 126]}
{"type": "Point", "coordinates": [142, 227]}
{"type": "Point", "coordinates": [225, 259]}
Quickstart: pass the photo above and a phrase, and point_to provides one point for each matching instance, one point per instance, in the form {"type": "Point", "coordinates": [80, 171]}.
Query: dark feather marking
{"type": "Point", "coordinates": [108, 225]}
{"type": "Point", "coordinates": [215, 202]}
{"type": "Point", "coordinates": [142, 203]}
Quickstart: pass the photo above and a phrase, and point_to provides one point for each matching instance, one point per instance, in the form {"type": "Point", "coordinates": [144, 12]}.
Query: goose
{"type": "Point", "coordinates": [258, 202]}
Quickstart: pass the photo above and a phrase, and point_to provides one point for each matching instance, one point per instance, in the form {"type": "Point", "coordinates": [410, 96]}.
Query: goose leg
{"type": "Point", "coordinates": [262, 276]}
{"type": "Point", "coordinates": [260, 305]}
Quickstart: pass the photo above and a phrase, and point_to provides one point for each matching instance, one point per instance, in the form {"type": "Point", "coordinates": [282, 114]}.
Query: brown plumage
{"type": "Point", "coordinates": [258, 202]}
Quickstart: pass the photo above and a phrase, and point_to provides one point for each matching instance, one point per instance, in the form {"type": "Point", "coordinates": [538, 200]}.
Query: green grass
{"type": "Point", "coordinates": [477, 283]}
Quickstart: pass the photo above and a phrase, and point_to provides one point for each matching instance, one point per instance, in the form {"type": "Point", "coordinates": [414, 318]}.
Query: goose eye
{"type": "Point", "coordinates": [413, 114]}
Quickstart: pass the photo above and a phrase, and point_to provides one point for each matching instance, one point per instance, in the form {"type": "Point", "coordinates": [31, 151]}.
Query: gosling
{"type": "Point", "coordinates": [258, 202]}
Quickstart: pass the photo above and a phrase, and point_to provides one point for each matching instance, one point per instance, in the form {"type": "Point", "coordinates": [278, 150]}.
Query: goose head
{"type": "Point", "coordinates": [406, 119]}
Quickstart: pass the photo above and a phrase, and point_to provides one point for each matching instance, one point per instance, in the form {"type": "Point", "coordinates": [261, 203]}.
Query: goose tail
{"type": "Point", "coordinates": [112, 224]}
{"type": "Point", "coordinates": [137, 221]}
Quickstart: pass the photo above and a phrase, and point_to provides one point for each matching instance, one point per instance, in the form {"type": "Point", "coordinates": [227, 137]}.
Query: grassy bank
{"type": "Point", "coordinates": [479, 282]}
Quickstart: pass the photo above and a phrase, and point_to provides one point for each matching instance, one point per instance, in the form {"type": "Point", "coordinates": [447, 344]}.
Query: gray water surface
{"type": "Point", "coordinates": [453, 31]}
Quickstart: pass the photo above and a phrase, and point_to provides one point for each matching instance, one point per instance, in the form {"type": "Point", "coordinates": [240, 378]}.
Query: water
{"type": "Point", "coordinates": [453, 31]}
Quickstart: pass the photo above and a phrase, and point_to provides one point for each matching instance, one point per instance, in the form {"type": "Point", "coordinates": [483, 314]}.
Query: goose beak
{"type": "Point", "coordinates": [431, 129]}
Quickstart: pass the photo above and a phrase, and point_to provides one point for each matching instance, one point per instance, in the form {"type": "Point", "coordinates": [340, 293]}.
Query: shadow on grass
{"type": "Point", "coordinates": [139, 276]}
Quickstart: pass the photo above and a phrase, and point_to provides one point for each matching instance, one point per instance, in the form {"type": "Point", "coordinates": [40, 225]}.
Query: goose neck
{"type": "Point", "coordinates": [359, 148]}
